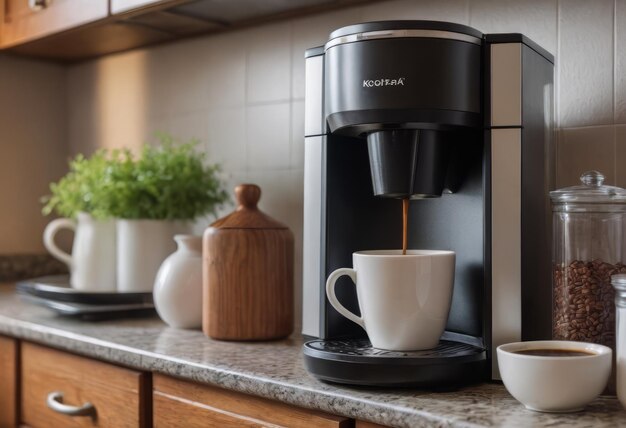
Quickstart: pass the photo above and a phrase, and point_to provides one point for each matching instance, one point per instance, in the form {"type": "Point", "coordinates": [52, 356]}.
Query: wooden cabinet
{"type": "Point", "coordinates": [364, 424]}
{"type": "Point", "coordinates": [180, 403]}
{"type": "Point", "coordinates": [25, 20]}
{"type": "Point", "coordinates": [73, 30]}
{"type": "Point", "coordinates": [33, 377]}
{"type": "Point", "coordinates": [8, 382]}
{"type": "Point", "coordinates": [120, 6]}
{"type": "Point", "coordinates": [119, 396]}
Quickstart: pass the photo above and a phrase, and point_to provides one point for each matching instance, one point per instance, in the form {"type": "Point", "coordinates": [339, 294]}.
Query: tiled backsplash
{"type": "Point", "coordinates": [242, 92]}
{"type": "Point", "coordinates": [33, 150]}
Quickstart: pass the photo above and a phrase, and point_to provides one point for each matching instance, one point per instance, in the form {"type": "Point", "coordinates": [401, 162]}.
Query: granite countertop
{"type": "Point", "coordinates": [275, 370]}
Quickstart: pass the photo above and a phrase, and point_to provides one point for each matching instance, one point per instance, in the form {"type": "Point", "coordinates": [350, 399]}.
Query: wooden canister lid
{"type": "Point", "coordinates": [247, 215]}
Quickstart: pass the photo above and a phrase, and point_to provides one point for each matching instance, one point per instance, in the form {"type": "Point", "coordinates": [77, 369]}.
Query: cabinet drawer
{"type": "Point", "coordinates": [21, 23]}
{"type": "Point", "coordinates": [8, 382]}
{"type": "Point", "coordinates": [117, 394]}
{"type": "Point", "coordinates": [180, 403]}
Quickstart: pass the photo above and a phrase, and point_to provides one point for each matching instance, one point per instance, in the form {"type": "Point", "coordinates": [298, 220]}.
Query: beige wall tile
{"type": "Point", "coordinates": [230, 180]}
{"type": "Point", "coordinates": [449, 10]}
{"type": "Point", "coordinates": [226, 141]}
{"type": "Point", "coordinates": [158, 87]}
{"type": "Point", "coordinates": [585, 61]}
{"type": "Point", "coordinates": [268, 139]}
{"type": "Point", "coordinates": [33, 148]}
{"type": "Point", "coordinates": [188, 126]}
{"type": "Point", "coordinates": [187, 81]}
{"type": "Point", "coordinates": [268, 66]}
{"type": "Point", "coordinates": [584, 149]}
{"type": "Point", "coordinates": [297, 135]}
{"type": "Point", "coordinates": [108, 102]}
{"type": "Point", "coordinates": [83, 126]}
{"type": "Point", "coordinates": [620, 155]}
{"type": "Point", "coordinates": [226, 76]}
{"type": "Point", "coordinates": [533, 18]}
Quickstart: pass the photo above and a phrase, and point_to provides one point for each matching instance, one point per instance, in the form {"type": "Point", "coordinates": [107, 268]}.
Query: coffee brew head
{"type": "Point", "coordinates": [412, 90]}
{"type": "Point", "coordinates": [408, 163]}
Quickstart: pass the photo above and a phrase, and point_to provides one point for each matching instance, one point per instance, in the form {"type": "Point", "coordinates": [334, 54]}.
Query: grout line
{"type": "Point", "coordinates": [468, 13]}
{"type": "Point", "coordinates": [614, 60]}
{"type": "Point", "coordinates": [557, 80]}
{"type": "Point", "coordinates": [271, 102]}
{"type": "Point", "coordinates": [615, 155]}
{"type": "Point", "coordinates": [615, 163]}
{"type": "Point", "coordinates": [290, 136]}
{"type": "Point", "coordinates": [586, 127]}
{"type": "Point", "coordinates": [558, 137]}
{"type": "Point", "coordinates": [245, 112]}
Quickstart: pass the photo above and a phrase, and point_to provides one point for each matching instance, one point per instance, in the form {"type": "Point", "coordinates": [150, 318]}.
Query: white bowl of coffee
{"type": "Point", "coordinates": [553, 375]}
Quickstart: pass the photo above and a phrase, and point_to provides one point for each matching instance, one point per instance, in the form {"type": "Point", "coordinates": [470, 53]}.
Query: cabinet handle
{"type": "Point", "coordinates": [37, 5]}
{"type": "Point", "coordinates": [55, 402]}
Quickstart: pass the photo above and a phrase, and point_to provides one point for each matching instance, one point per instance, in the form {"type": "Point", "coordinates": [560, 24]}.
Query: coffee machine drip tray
{"type": "Point", "coordinates": [356, 362]}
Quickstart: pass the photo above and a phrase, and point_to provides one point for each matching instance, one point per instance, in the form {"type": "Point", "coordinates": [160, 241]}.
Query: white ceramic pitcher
{"type": "Point", "coordinates": [142, 245]}
{"type": "Point", "coordinates": [92, 263]}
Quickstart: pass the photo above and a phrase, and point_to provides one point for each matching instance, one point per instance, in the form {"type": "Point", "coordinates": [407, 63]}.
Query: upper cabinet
{"type": "Point", "coordinates": [121, 6]}
{"type": "Point", "coordinates": [73, 30]}
{"type": "Point", "coordinates": [25, 20]}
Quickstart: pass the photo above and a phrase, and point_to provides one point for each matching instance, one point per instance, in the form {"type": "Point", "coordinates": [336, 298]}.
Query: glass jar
{"type": "Point", "coordinates": [619, 283]}
{"type": "Point", "coordinates": [588, 249]}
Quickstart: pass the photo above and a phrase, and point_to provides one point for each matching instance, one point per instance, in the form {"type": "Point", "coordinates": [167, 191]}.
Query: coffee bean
{"type": "Point", "coordinates": [583, 307]}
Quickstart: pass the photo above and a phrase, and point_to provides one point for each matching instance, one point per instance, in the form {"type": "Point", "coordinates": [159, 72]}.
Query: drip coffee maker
{"type": "Point", "coordinates": [460, 123]}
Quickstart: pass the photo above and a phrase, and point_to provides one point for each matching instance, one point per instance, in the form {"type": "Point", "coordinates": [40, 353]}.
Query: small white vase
{"type": "Point", "coordinates": [178, 284]}
{"type": "Point", "coordinates": [142, 245]}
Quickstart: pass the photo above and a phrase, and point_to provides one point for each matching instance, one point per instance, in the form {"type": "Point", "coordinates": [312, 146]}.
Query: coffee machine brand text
{"type": "Point", "coordinates": [370, 83]}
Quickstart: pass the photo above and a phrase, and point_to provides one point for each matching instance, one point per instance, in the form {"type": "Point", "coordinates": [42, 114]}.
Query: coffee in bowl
{"type": "Point", "coordinates": [404, 299]}
{"type": "Point", "coordinates": [554, 352]}
{"type": "Point", "coordinates": [554, 375]}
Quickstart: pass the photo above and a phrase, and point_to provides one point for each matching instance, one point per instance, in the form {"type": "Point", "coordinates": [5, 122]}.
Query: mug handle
{"type": "Point", "coordinates": [330, 292]}
{"type": "Point", "coordinates": [48, 238]}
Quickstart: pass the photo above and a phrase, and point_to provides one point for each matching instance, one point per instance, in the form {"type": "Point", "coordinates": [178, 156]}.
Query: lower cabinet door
{"type": "Point", "coordinates": [8, 382]}
{"type": "Point", "coordinates": [184, 404]}
{"type": "Point", "coordinates": [63, 390]}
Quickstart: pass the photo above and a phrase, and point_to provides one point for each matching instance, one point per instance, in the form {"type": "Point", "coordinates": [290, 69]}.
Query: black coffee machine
{"type": "Point", "coordinates": [462, 124]}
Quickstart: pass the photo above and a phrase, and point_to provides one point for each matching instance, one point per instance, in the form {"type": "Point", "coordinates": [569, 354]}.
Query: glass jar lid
{"type": "Point", "coordinates": [591, 191]}
{"type": "Point", "coordinates": [618, 281]}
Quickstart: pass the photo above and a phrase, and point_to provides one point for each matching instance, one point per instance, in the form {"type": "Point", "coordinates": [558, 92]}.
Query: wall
{"type": "Point", "coordinates": [33, 148]}
{"type": "Point", "coordinates": [242, 92]}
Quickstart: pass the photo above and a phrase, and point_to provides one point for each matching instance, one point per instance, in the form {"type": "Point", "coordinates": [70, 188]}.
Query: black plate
{"type": "Point", "coordinates": [95, 312]}
{"type": "Point", "coordinates": [57, 288]}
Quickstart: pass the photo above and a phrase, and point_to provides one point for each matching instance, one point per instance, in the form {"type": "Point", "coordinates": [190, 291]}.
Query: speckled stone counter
{"type": "Point", "coordinates": [275, 370]}
{"type": "Point", "coordinates": [14, 267]}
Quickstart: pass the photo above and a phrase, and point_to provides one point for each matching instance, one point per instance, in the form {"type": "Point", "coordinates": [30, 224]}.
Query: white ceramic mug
{"type": "Point", "coordinates": [92, 262]}
{"type": "Point", "coordinates": [404, 299]}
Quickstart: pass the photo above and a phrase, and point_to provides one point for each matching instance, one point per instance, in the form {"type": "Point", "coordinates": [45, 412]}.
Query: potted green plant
{"type": "Point", "coordinates": [156, 196]}
{"type": "Point", "coordinates": [148, 197]}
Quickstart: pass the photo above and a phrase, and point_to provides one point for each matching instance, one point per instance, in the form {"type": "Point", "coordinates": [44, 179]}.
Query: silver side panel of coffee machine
{"type": "Point", "coordinates": [312, 253]}
{"type": "Point", "coordinates": [506, 177]}
{"type": "Point", "coordinates": [522, 173]}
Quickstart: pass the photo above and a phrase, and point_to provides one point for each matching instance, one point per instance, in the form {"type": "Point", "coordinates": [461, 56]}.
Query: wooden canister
{"type": "Point", "coordinates": [247, 274]}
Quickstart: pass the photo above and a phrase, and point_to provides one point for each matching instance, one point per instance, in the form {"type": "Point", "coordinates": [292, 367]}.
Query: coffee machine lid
{"type": "Point", "coordinates": [592, 190]}
{"type": "Point", "coordinates": [391, 29]}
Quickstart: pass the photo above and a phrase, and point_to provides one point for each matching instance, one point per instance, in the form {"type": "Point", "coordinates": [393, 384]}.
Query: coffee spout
{"type": "Point", "coordinates": [408, 163]}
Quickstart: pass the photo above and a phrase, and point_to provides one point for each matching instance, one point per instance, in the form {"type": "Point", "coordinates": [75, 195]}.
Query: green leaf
{"type": "Point", "coordinates": [169, 181]}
